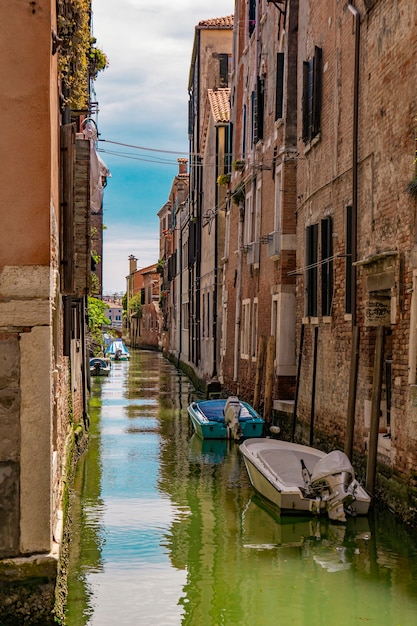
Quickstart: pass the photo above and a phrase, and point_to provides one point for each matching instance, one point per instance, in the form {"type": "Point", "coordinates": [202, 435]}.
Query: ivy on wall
{"type": "Point", "coordinates": [79, 59]}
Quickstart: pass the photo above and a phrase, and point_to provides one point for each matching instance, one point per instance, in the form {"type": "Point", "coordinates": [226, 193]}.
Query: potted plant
{"type": "Point", "coordinates": [238, 194]}
{"type": "Point", "coordinates": [238, 165]}
{"type": "Point", "coordinates": [223, 179]}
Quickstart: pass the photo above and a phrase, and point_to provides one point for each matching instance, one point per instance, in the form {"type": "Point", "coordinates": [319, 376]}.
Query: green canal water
{"type": "Point", "coordinates": [168, 531]}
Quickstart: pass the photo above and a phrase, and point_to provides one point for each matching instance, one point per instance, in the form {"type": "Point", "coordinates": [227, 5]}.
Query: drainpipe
{"type": "Point", "coordinates": [357, 17]}
{"type": "Point", "coordinates": [238, 292]}
{"type": "Point", "coordinates": [350, 422]}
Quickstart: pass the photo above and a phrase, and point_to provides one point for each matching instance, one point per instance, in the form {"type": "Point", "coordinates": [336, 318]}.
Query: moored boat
{"type": "Point", "coordinates": [99, 366]}
{"type": "Point", "coordinates": [301, 479]}
{"type": "Point", "coordinates": [229, 418]}
{"type": "Point", "coordinates": [117, 351]}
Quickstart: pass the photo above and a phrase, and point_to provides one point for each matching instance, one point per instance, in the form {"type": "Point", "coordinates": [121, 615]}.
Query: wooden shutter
{"type": "Point", "coordinates": [67, 166]}
{"type": "Point", "coordinates": [224, 70]}
{"type": "Point", "coordinates": [317, 90]}
{"type": "Point", "coordinates": [305, 102]}
{"type": "Point", "coordinates": [326, 266]}
{"type": "Point", "coordinates": [312, 269]}
{"type": "Point", "coordinates": [279, 91]}
{"type": "Point", "coordinates": [82, 229]}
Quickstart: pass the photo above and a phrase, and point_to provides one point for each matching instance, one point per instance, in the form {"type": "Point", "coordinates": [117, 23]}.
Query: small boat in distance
{"type": "Point", "coordinates": [117, 351]}
{"type": "Point", "coordinates": [301, 479]}
{"type": "Point", "coordinates": [99, 366]}
{"type": "Point", "coordinates": [229, 418]}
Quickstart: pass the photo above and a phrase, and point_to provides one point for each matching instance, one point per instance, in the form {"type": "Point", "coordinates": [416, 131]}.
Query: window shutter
{"type": "Point", "coordinates": [306, 133]}
{"type": "Point", "coordinates": [312, 271]}
{"type": "Point", "coordinates": [191, 243]}
{"type": "Point", "coordinates": [224, 70]}
{"type": "Point", "coordinates": [326, 267]}
{"type": "Point", "coordinates": [67, 207]}
{"type": "Point", "coordinates": [279, 92]}
{"type": "Point", "coordinates": [259, 110]}
{"type": "Point", "coordinates": [317, 90]}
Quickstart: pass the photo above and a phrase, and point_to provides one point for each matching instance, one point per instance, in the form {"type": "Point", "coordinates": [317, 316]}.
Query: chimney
{"type": "Point", "coordinates": [182, 166]}
{"type": "Point", "coordinates": [133, 266]}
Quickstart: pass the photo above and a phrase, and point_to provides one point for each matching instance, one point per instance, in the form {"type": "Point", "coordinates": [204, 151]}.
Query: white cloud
{"type": "Point", "coordinates": [143, 100]}
{"type": "Point", "coordinates": [119, 243]}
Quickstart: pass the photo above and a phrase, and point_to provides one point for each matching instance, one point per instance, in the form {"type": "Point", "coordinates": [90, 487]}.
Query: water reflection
{"type": "Point", "coordinates": [167, 529]}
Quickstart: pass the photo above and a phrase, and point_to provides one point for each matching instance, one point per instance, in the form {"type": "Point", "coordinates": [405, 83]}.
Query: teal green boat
{"type": "Point", "coordinates": [229, 418]}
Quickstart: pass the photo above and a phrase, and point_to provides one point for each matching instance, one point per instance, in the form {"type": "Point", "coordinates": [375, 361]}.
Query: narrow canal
{"type": "Point", "coordinates": [167, 529]}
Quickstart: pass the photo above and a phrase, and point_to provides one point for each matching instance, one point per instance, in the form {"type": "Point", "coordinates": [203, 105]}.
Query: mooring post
{"type": "Point", "coordinates": [375, 411]}
{"type": "Point", "coordinates": [260, 364]}
{"type": "Point", "coordinates": [297, 383]}
{"type": "Point", "coordinates": [313, 386]}
{"type": "Point", "coordinates": [353, 380]}
{"type": "Point", "coordinates": [269, 379]}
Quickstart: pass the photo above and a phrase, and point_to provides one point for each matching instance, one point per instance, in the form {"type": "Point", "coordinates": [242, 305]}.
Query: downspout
{"type": "Point", "coordinates": [350, 423]}
{"type": "Point", "coordinates": [84, 368]}
{"type": "Point", "coordinates": [216, 259]}
{"type": "Point", "coordinates": [238, 292]}
{"type": "Point", "coordinates": [357, 17]}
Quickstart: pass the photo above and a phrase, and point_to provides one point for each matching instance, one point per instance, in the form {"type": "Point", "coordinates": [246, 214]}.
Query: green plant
{"type": "Point", "coordinates": [96, 320]}
{"type": "Point", "coordinates": [223, 179]}
{"type": "Point", "coordinates": [135, 305]}
{"type": "Point", "coordinates": [238, 165]}
{"type": "Point", "coordinates": [79, 59]}
{"type": "Point", "coordinates": [238, 194]}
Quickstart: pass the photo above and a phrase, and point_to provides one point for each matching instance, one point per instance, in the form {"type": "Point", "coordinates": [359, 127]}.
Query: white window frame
{"type": "Point", "coordinates": [245, 329]}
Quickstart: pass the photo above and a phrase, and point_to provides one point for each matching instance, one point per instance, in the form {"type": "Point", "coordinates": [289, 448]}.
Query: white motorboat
{"type": "Point", "coordinates": [301, 479]}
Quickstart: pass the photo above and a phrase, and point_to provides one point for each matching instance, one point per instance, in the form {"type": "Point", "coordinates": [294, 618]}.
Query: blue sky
{"type": "Point", "coordinates": [143, 101]}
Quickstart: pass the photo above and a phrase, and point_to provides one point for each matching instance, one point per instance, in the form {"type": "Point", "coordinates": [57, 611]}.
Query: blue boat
{"type": "Point", "coordinates": [99, 366]}
{"type": "Point", "coordinates": [225, 419]}
{"type": "Point", "coordinates": [117, 351]}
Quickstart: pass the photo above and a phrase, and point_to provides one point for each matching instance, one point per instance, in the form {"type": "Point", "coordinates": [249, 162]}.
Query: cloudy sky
{"type": "Point", "coordinates": [143, 101]}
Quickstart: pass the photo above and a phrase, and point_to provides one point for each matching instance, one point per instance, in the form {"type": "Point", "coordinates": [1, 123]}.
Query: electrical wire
{"type": "Point", "coordinates": [136, 158]}
{"type": "Point", "coordinates": [127, 145]}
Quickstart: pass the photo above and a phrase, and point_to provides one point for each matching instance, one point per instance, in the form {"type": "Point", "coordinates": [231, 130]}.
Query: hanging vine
{"type": "Point", "coordinates": [79, 59]}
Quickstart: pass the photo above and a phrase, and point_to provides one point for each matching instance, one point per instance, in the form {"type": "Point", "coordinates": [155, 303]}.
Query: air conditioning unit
{"type": "Point", "coordinates": [273, 248]}
{"type": "Point", "coordinates": [252, 256]}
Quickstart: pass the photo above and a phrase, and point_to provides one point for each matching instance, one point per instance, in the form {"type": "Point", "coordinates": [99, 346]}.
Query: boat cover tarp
{"type": "Point", "coordinates": [214, 410]}
{"type": "Point", "coordinates": [286, 465]}
{"type": "Point", "coordinates": [333, 463]}
{"type": "Point", "coordinates": [115, 346]}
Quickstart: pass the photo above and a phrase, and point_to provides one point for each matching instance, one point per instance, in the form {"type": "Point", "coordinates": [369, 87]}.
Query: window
{"type": "Point", "coordinates": [326, 265]}
{"type": "Point", "coordinates": [244, 132]}
{"type": "Point", "coordinates": [185, 316]}
{"type": "Point", "coordinates": [254, 335]}
{"type": "Point", "coordinates": [245, 332]}
{"type": "Point", "coordinates": [204, 316]}
{"type": "Point", "coordinates": [277, 212]}
{"type": "Point", "coordinates": [258, 112]}
{"type": "Point", "coordinates": [250, 217]}
{"type": "Point", "coordinates": [312, 269]}
{"type": "Point", "coordinates": [185, 255]}
{"type": "Point", "coordinates": [252, 17]}
{"type": "Point", "coordinates": [279, 87]}
{"type": "Point", "coordinates": [312, 89]}
{"type": "Point", "coordinates": [224, 69]}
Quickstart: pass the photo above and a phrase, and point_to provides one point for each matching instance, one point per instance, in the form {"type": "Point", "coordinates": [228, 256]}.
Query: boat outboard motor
{"type": "Point", "coordinates": [118, 355]}
{"type": "Point", "coordinates": [231, 417]}
{"type": "Point", "coordinates": [334, 473]}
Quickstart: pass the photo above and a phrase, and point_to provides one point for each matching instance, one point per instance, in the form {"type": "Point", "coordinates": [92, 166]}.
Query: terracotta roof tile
{"type": "Point", "coordinates": [217, 22]}
{"type": "Point", "coordinates": [220, 104]}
